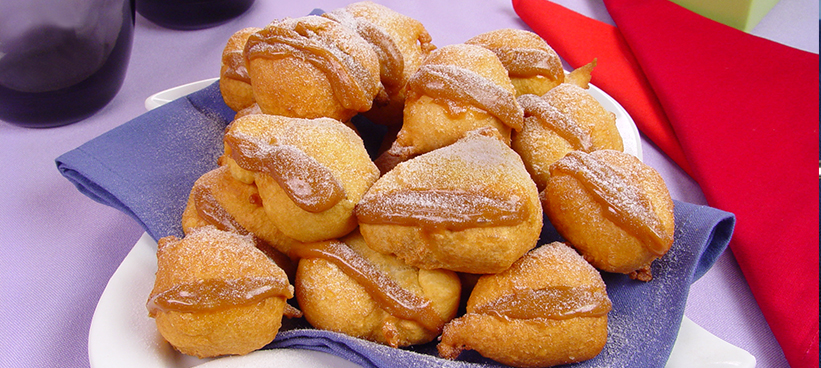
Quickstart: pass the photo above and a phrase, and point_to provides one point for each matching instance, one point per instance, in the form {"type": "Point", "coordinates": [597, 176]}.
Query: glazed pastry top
{"type": "Point", "coordinates": [340, 53]}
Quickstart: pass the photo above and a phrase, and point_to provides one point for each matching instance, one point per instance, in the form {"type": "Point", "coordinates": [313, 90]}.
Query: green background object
{"type": "Point", "coordinates": [740, 14]}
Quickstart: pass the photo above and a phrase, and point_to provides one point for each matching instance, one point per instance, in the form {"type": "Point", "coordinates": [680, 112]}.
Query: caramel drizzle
{"type": "Point", "coordinates": [308, 183]}
{"type": "Point", "coordinates": [440, 209]}
{"type": "Point", "coordinates": [391, 62]}
{"type": "Point", "coordinates": [621, 200]}
{"type": "Point", "coordinates": [210, 210]}
{"type": "Point", "coordinates": [453, 83]}
{"type": "Point", "coordinates": [527, 62]}
{"type": "Point", "coordinates": [553, 119]}
{"type": "Point", "coordinates": [553, 303]}
{"type": "Point", "coordinates": [214, 295]}
{"type": "Point", "coordinates": [390, 296]}
{"type": "Point", "coordinates": [235, 66]}
{"type": "Point", "coordinates": [303, 42]}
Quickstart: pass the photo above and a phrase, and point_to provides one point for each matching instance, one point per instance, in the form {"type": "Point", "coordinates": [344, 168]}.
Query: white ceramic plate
{"type": "Point", "coordinates": [123, 336]}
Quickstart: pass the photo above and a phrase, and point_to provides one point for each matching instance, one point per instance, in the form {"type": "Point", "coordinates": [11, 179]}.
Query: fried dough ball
{"type": "Point", "coordinates": [312, 67]}
{"type": "Point", "coordinates": [533, 66]}
{"type": "Point", "coordinates": [395, 304]}
{"type": "Point", "coordinates": [310, 173]}
{"type": "Point", "coordinates": [400, 42]}
{"type": "Point", "coordinates": [565, 119]}
{"type": "Point", "coordinates": [235, 84]}
{"type": "Point", "coordinates": [580, 105]}
{"type": "Point", "coordinates": [613, 208]}
{"type": "Point", "coordinates": [551, 307]}
{"type": "Point", "coordinates": [457, 89]}
{"type": "Point", "coordinates": [216, 294]}
{"type": "Point", "coordinates": [219, 200]}
{"type": "Point", "coordinates": [468, 207]}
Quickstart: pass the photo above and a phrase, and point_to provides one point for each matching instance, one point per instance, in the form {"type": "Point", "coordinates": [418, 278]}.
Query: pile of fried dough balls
{"type": "Point", "coordinates": [484, 139]}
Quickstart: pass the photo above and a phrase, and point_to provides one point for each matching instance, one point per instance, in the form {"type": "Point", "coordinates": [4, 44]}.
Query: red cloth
{"type": "Point", "coordinates": [745, 112]}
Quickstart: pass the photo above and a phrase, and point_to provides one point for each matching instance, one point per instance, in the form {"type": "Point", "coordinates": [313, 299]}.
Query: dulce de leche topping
{"type": "Point", "coordinates": [391, 62]}
{"type": "Point", "coordinates": [451, 83]}
{"type": "Point", "coordinates": [552, 303]}
{"type": "Point", "coordinates": [235, 66]}
{"type": "Point", "coordinates": [389, 295]}
{"type": "Point", "coordinates": [308, 183]}
{"type": "Point", "coordinates": [524, 62]}
{"type": "Point", "coordinates": [621, 199]}
{"type": "Point", "coordinates": [437, 209]}
{"type": "Point", "coordinates": [214, 295]}
{"type": "Point", "coordinates": [210, 210]}
{"type": "Point", "coordinates": [553, 119]}
{"type": "Point", "coordinates": [306, 39]}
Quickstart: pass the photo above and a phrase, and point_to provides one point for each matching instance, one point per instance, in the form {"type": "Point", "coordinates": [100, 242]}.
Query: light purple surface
{"type": "Point", "coordinates": [58, 248]}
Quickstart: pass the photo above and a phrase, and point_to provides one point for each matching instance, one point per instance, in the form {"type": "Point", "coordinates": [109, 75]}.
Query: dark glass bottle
{"type": "Point", "coordinates": [191, 14]}
{"type": "Point", "coordinates": [58, 71]}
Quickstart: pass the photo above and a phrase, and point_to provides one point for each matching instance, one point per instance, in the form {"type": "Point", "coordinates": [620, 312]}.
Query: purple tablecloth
{"type": "Point", "coordinates": [60, 248]}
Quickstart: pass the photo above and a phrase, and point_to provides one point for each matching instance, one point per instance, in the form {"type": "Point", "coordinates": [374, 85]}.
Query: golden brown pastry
{"type": "Point", "coordinates": [549, 308]}
{"type": "Point", "coordinates": [235, 84]}
{"type": "Point", "coordinates": [533, 66]}
{"type": "Point", "coordinates": [310, 173]}
{"type": "Point", "coordinates": [344, 286]}
{"type": "Point", "coordinates": [400, 42]}
{"type": "Point", "coordinates": [219, 200]}
{"type": "Point", "coordinates": [578, 104]}
{"type": "Point", "coordinates": [216, 294]}
{"type": "Point", "coordinates": [613, 208]}
{"type": "Point", "coordinates": [565, 119]}
{"type": "Point", "coordinates": [312, 67]}
{"type": "Point", "coordinates": [468, 207]}
{"type": "Point", "coordinates": [457, 89]}
{"type": "Point", "coordinates": [252, 109]}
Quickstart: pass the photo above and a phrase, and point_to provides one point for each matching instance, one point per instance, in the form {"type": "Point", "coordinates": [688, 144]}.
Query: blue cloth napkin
{"type": "Point", "coordinates": [147, 166]}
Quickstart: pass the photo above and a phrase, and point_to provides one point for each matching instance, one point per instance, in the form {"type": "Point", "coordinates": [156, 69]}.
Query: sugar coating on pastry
{"type": "Point", "coordinates": [565, 120]}
{"type": "Point", "coordinates": [458, 88]}
{"type": "Point", "coordinates": [400, 42]}
{"type": "Point", "coordinates": [550, 306]}
{"type": "Point", "coordinates": [219, 200]}
{"type": "Point", "coordinates": [347, 287]}
{"type": "Point", "coordinates": [578, 104]}
{"type": "Point", "coordinates": [216, 294]}
{"type": "Point", "coordinates": [235, 84]}
{"type": "Point", "coordinates": [613, 208]}
{"type": "Point", "coordinates": [533, 66]}
{"type": "Point", "coordinates": [310, 173]}
{"type": "Point", "coordinates": [312, 67]}
{"type": "Point", "coordinates": [468, 207]}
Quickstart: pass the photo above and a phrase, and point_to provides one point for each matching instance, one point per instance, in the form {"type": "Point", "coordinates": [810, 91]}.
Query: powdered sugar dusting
{"type": "Point", "coordinates": [620, 198]}
{"type": "Point", "coordinates": [552, 118]}
{"type": "Point", "coordinates": [210, 268]}
{"type": "Point", "coordinates": [451, 84]}
{"type": "Point", "coordinates": [476, 163]}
